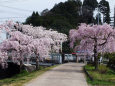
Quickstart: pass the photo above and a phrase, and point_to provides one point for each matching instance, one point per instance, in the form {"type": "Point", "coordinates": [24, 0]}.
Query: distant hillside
{"type": "Point", "coordinates": [62, 17]}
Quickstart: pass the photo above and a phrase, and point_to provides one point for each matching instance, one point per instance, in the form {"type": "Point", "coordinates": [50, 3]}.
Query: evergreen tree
{"type": "Point", "coordinates": [87, 10]}
{"type": "Point", "coordinates": [105, 9]}
{"type": "Point", "coordinates": [33, 14]}
{"type": "Point", "coordinates": [37, 14]}
{"type": "Point", "coordinates": [33, 19]}
{"type": "Point", "coordinates": [61, 17]}
{"type": "Point", "coordinates": [44, 12]}
{"type": "Point", "coordinates": [92, 4]}
{"type": "Point", "coordinates": [70, 9]}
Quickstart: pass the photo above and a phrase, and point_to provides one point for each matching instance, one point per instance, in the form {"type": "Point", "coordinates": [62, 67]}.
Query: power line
{"type": "Point", "coordinates": [21, 17]}
{"type": "Point", "coordinates": [6, 1]}
{"type": "Point", "coordinates": [12, 12]}
{"type": "Point", "coordinates": [12, 17]}
{"type": "Point", "coordinates": [19, 9]}
{"type": "Point", "coordinates": [2, 20]}
{"type": "Point", "coordinates": [11, 1]}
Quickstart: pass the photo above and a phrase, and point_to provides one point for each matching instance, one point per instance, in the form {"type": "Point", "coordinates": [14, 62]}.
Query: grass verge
{"type": "Point", "coordinates": [107, 79]}
{"type": "Point", "coordinates": [20, 79]}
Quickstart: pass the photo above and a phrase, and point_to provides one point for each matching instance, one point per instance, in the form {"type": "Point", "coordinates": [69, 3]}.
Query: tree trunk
{"type": "Point", "coordinates": [62, 55]}
{"type": "Point", "coordinates": [76, 58]}
{"type": "Point", "coordinates": [21, 65]}
{"type": "Point", "coordinates": [37, 62]}
{"type": "Point", "coordinates": [95, 56]}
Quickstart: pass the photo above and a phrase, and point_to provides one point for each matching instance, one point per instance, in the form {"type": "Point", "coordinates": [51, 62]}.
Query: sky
{"type": "Point", "coordinates": [19, 10]}
{"type": "Point", "coordinates": [25, 8]}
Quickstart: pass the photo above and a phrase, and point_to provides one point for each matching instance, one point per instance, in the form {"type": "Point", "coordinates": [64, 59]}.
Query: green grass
{"type": "Point", "coordinates": [107, 79]}
{"type": "Point", "coordinates": [23, 77]}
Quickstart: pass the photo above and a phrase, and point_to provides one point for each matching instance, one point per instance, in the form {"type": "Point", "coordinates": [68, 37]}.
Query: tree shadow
{"type": "Point", "coordinates": [67, 70]}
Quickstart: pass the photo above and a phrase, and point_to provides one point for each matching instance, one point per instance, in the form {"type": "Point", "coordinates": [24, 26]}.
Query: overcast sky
{"type": "Point", "coordinates": [25, 8]}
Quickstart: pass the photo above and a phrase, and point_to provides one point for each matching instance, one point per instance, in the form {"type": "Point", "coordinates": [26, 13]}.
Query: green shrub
{"type": "Point", "coordinates": [102, 69]}
{"type": "Point", "coordinates": [111, 57]}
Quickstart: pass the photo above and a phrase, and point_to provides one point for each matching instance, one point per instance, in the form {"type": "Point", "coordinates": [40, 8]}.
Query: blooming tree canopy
{"type": "Point", "coordinates": [41, 46]}
{"type": "Point", "coordinates": [24, 40]}
{"type": "Point", "coordinates": [41, 32]}
{"type": "Point", "coordinates": [3, 58]}
{"type": "Point", "coordinates": [95, 38]}
{"type": "Point", "coordinates": [19, 46]}
{"type": "Point", "coordinates": [16, 46]}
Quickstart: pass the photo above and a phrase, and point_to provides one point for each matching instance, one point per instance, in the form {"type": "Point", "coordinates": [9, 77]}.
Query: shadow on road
{"type": "Point", "coordinates": [67, 70]}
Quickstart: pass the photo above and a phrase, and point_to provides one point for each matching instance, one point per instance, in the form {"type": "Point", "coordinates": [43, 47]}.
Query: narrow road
{"type": "Point", "coordinates": [70, 74]}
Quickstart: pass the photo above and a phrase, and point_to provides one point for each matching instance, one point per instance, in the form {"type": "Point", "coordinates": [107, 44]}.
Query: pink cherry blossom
{"type": "Point", "coordinates": [30, 40]}
{"type": "Point", "coordinates": [93, 38]}
{"type": "Point", "coordinates": [40, 32]}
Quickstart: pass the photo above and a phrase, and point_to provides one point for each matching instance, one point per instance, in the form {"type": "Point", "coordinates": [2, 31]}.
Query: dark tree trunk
{"type": "Point", "coordinates": [76, 58]}
{"type": "Point", "coordinates": [95, 56]}
{"type": "Point", "coordinates": [21, 65]}
{"type": "Point", "coordinates": [63, 57]}
{"type": "Point", "coordinates": [37, 62]}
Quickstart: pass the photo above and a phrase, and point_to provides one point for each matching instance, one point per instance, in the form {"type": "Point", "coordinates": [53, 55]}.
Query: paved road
{"type": "Point", "coordinates": [69, 74]}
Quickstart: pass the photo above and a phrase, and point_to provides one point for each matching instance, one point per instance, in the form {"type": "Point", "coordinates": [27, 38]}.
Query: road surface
{"type": "Point", "coordinates": [70, 74]}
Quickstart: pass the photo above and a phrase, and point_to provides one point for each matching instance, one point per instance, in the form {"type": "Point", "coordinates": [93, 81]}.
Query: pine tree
{"type": "Point", "coordinates": [92, 4]}
{"type": "Point", "coordinates": [33, 14]}
{"type": "Point", "coordinates": [33, 19]}
{"type": "Point", "coordinates": [87, 10]}
{"type": "Point", "coordinates": [105, 9]}
{"type": "Point", "coordinates": [37, 14]}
